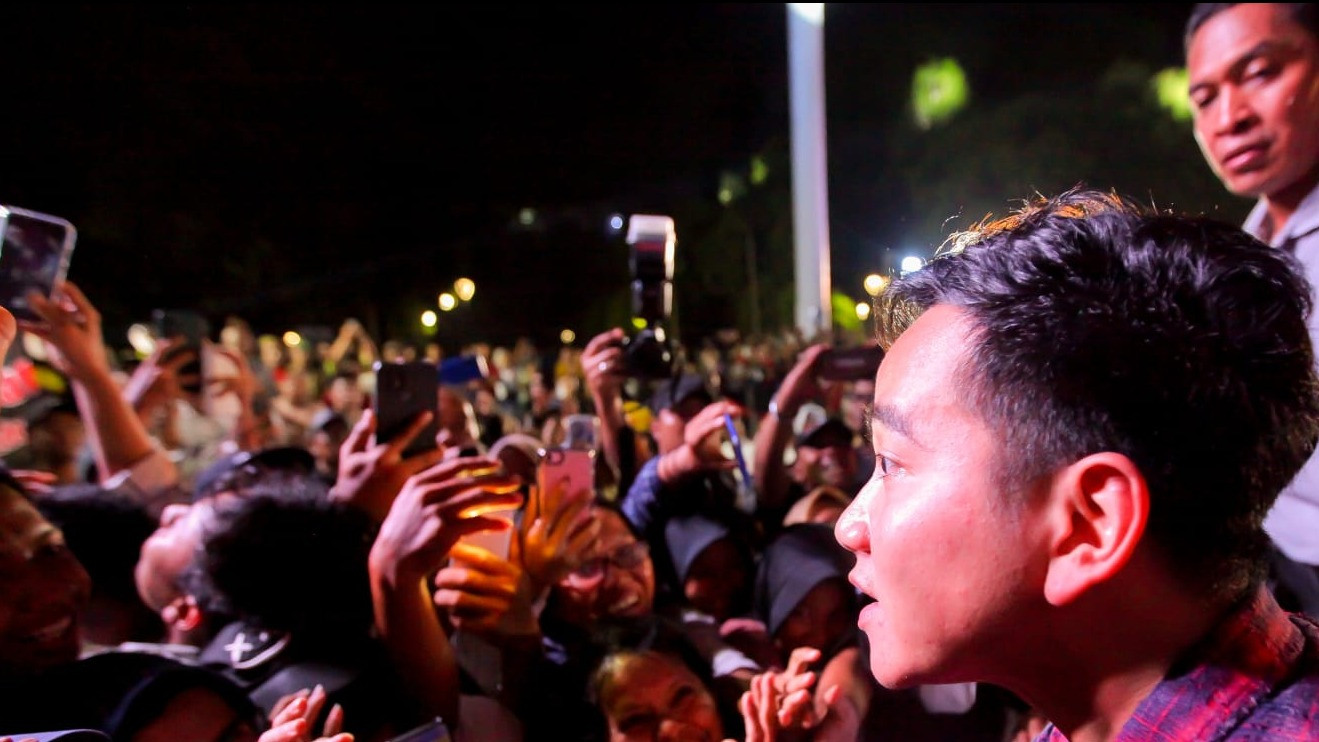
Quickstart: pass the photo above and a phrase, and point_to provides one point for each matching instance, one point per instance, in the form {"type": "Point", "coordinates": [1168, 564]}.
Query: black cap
{"type": "Point", "coordinates": [830, 432]}
{"type": "Point", "coordinates": [673, 392]}
{"type": "Point", "coordinates": [237, 469]}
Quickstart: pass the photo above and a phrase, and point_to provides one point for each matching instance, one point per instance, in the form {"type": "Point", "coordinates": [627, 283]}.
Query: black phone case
{"type": "Point", "coordinates": [404, 390]}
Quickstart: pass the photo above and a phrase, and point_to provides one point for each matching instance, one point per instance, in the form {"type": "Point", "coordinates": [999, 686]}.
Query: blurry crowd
{"type": "Point", "coordinates": [239, 551]}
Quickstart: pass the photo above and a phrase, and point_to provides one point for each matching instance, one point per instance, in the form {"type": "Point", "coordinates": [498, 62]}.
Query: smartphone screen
{"type": "Point", "coordinates": [403, 391]}
{"type": "Point", "coordinates": [565, 474]}
{"type": "Point", "coordinates": [34, 256]}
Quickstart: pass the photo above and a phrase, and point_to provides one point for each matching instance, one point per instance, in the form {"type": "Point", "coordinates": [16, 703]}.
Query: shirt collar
{"type": "Point", "coordinates": [1303, 222]}
{"type": "Point", "coordinates": [1224, 677]}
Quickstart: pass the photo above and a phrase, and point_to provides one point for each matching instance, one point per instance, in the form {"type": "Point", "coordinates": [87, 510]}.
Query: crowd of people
{"type": "Point", "coordinates": [1073, 502]}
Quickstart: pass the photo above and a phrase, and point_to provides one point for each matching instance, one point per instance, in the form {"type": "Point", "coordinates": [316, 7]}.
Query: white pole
{"type": "Point", "coordinates": [810, 185]}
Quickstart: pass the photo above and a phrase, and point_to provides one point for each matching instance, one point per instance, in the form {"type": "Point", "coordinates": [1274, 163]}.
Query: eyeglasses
{"type": "Point", "coordinates": [628, 556]}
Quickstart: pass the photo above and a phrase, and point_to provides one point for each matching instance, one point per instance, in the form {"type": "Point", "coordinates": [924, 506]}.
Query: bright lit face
{"type": "Point", "coordinates": [622, 585]}
{"type": "Point", "coordinates": [42, 589]}
{"type": "Point", "coordinates": [953, 565]}
{"type": "Point", "coordinates": [1254, 83]}
{"type": "Point", "coordinates": [654, 697]}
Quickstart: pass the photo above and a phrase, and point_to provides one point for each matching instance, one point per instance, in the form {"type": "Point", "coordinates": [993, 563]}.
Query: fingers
{"type": "Point", "coordinates": [289, 731]}
{"type": "Point", "coordinates": [333, 721]}
{"type": "Point", "coordinates": [8, 330]}
{"type": "Point", "coordinates": [284, 709]}
{"type": "Point", "coordinates": [602, 341]}
{"type": "Point", "coordinates": [360, 435]}
{"type": "Point", "coordinates": [394, 449]}
{"type": "Point", "coordinates": [800, 658]}
{"type": "Point", "coordinates": [315, 702]}
{"type": "Point", "coordinates": [477, 561]}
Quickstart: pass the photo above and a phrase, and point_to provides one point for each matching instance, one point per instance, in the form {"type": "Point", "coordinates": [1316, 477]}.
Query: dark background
{"type": "Point", "coordinates": [296, 164]}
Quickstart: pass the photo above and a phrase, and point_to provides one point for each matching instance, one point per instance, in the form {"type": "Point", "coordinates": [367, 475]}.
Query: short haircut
{"type": "Point", "coordinates": [286, 559]}
{"type": "Point", "coordinates": [1177, 341]}
{"type": "Point", "coordinates": [1305, 15]}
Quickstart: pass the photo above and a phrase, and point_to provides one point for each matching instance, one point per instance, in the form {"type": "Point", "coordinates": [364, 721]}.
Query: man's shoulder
{"type": "Point", "coordinates": [1291, 711]}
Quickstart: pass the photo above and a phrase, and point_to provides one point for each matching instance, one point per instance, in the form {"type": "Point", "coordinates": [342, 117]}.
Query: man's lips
{"type": "Point", "coordinates": [1245, 156]}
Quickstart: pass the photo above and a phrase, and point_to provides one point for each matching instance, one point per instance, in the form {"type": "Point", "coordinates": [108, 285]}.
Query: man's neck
{"type": "Point", "coordinates": [1281, 205]}
{"type": "Point", "coordinates": [1100, 669]}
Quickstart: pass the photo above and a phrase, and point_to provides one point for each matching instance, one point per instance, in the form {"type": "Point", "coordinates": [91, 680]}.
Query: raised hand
{"type": "Point", "coordinates": [372, 474]}
{"type": "Point", "coordinates": [435, 508]}
{"type": "Point", "coordinates": [556, 543]}
{"type": "Point", "coordinates": [292, 718]}
{"type": "Point", "coordinates": [485, 594]}
{"type": "Point", "coordinates": [71, 326]}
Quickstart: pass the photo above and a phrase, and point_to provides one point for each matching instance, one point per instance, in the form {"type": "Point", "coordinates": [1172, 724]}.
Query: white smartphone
{"type": "Point", "coordinates": [34, 256]}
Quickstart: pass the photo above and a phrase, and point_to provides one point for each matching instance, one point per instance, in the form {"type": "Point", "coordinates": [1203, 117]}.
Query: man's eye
{"type": "Point", "coordinates": [885, 465]}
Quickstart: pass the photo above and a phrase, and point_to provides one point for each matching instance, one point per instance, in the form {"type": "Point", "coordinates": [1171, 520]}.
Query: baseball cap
{"type": "Point", "coordinates": [673, 392]}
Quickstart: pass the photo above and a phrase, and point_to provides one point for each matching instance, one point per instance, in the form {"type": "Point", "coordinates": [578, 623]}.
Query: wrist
{"type": "Point", "coordinates": [780, 410]}
{"type": "Point", "coordinates": [676, 464]}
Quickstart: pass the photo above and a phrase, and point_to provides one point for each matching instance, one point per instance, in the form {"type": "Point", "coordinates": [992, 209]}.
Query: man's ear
{"type": "Point", "coordinates": [1100, 507]}
{"type": "Point", "coordinates": [182, 614]}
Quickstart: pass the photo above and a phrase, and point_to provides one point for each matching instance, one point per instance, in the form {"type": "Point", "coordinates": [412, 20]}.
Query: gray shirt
{"type": "Point", "coordinates": [1294, 520]}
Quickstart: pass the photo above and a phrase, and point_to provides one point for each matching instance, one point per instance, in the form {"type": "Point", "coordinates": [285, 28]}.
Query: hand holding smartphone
{"type": "Point", "coordinates": [189, 331]}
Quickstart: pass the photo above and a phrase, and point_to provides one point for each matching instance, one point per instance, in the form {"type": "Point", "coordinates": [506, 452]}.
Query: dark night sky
{"type": "Point", "coordinates": [376, 152]}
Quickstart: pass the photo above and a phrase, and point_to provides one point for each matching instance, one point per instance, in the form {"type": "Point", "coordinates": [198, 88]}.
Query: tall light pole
{"type": "Point", "coordinates": [810, 184]}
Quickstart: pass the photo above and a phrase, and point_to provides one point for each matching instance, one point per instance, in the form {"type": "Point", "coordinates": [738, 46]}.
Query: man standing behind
{"type": "Point", "coordinates": [1254, 86]}
{"type": "Point", "coordinates": [1082, 417]}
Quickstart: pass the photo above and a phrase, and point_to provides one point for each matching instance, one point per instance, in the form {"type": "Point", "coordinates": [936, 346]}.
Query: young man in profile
{"type": "Point", "coordinates": [1084, 413]}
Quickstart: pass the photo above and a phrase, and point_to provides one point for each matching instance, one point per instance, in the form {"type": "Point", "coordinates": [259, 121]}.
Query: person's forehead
{"type": "Point", "coordinates": [920, 374]}
{"type": "Point", "coordinates": [614, 530]}
{"type": "Point", "coordinates": [1232, 34]}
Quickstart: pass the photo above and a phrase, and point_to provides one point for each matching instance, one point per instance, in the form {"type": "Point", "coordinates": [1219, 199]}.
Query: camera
{"type": "Point", "coordinates": [651, 239]}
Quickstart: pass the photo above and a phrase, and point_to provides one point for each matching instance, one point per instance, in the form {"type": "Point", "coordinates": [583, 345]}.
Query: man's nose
{"type": "Point", "coordinates": [853, 528]}
{"type": "Point", "coordinates": [1232, 113]}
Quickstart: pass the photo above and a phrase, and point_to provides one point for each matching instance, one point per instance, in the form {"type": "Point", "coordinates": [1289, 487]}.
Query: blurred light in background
{"type": "Point", "coordinates": [428, 318]}
{"type": "Point", "coordinates": [938, 91]}
{"type": "Point", "coordinates": [465, 288]}
{"type": "Point", "coordinates": [567, 336]}
{"type": "Point", "coordinates": [862, 310]}
{"type": "Point", "coordinates": [447, 301]}
{"type": "Point", "coordinates": [1171, 89]}
{"type": "Point", "coordinates": [616, 222]}
{"type": "Point", "coordinates": [875, 283]}
{"type": "Point", "coordinates": [292, 339]}
{"type": "Point", "coordinates": [139, 336]}
{"type": "Point", "coordinates": [639, 323]}
{"type": "Point", "coordinates": [527, 217]}
{"type": "Point", "coordinates": [911, 263]}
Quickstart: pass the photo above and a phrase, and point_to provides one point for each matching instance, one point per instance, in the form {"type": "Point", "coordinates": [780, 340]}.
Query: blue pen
{"type": "Point", "coordinates": [737, 450]}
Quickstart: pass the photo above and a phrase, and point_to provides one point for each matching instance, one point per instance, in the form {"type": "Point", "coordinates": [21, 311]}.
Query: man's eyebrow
{"type": "Point", "coordinates": [894, 419]}
{"type": "Point", "coordinates": [1265, 48]}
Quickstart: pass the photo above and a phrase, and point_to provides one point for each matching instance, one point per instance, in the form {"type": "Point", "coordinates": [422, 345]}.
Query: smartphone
{"type": "Point", "coordinates": [189, 330]}
{"type": "Point", "coordinates": [849, 364]}
{"type": "Point", "coordinates": [431, 731]}
{"type": "Point", "coordinates": [34, 256]}
{"type": "Point", "coordinates": [564, 474]}
{"type": "Point", "coordinates": [405, 389]}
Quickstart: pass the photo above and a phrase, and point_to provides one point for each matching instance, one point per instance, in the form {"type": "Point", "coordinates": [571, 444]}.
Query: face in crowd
{"type": "Point", "coordinates": [653, 696]}
{"type": "Point", "coordinates": [42, 590]}
{"type": "Point", "coordinates": [1254, 86]}
{"type": "Point", "coordinates": [618, 584]}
